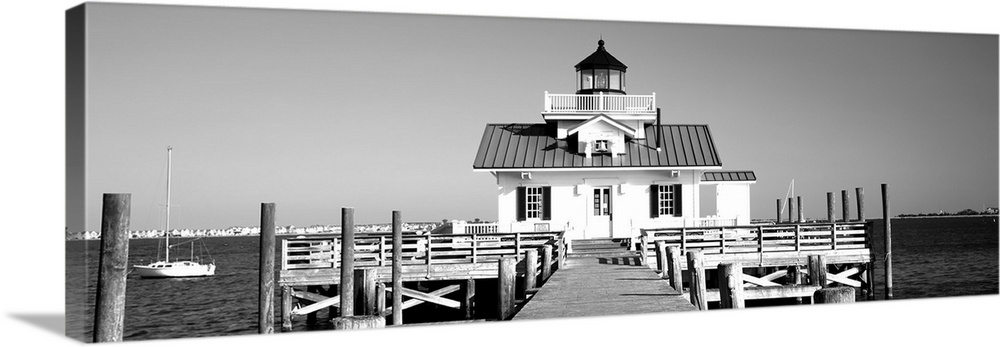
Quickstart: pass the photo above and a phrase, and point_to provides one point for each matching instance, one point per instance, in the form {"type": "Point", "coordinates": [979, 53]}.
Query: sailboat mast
{"type": "Point", "coordinates": [167, 224]}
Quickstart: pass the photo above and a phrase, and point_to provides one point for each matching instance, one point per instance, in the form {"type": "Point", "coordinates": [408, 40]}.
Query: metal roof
{"type": "Point", "coordinates": [534, 146]}
{"type": "Point", "coordinates": [600, 59]}
{"type": "Point", "coordinates": [728, 176]}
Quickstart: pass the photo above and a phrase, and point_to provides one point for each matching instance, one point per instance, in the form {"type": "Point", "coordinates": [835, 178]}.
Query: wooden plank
{"type": "Point", "coordinates": [316, 305]}
{"type": "Point", "coordinates": [435, 297]}
{"type": "Point", "coordinates": [759, 281]}
{"type": "Point", "coordinates": [843, 277]}
{"type": "Point", "coordinates": [757, 293]}
{"type": "Point", "coordinates": [585, 287]}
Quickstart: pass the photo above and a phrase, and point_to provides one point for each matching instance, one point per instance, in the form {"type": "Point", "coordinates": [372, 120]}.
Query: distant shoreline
{"type": "Point", "coordinates": [950, 216]}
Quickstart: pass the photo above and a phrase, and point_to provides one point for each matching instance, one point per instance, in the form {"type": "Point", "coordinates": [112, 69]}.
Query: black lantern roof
{"type": "Point", "coordinates": [600, 59]}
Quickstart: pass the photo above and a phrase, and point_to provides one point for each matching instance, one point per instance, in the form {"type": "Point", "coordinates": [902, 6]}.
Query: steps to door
{"type": "Point", "coordinates": [606, 247]}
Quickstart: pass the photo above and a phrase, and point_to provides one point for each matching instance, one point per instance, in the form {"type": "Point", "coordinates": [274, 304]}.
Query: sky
{"type": "Point", "coordinates": [318, 110]}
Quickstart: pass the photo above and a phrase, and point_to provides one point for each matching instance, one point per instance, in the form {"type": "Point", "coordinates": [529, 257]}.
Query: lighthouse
{"type": "Point", "coordinates": [601, 166]}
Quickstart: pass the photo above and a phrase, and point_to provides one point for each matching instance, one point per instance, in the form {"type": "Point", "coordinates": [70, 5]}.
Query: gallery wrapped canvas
{"type": "Point", "coordinates": [237, 171]}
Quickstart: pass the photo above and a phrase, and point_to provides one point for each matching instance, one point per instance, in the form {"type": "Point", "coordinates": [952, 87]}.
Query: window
{"type": "Point", "coordinates": [616, 82]}
{"type": "Point", "coordinates": [601, 79]}
{"type": "Point", "coordinates": [586, 79]}
{"type": "Point", "coordinates": [534, 203]}
{"type": "Point", "coordinates": [665, 200]}
{"type": "Point", "coordinates": [601, 146]}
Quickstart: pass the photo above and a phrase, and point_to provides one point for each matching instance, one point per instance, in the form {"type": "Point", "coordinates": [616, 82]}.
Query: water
{"type": "Point", "coordinates": [938, 257]}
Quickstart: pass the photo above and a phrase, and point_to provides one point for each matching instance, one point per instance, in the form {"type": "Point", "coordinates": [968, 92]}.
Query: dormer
{"type": "Point", "coordinates": [601, 135]}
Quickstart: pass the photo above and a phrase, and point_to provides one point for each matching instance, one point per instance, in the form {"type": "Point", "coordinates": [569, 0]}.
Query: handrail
{"type": "Point", "coordinates": [606, 103]}
{"type": "Point", "coordinates": [760, 239]}
{"type": "Point", "coordinates": [372, 249]}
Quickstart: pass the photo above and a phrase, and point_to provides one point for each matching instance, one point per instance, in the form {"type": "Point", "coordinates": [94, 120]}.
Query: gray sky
{"type": "Point", "coordinates": [315, 110]}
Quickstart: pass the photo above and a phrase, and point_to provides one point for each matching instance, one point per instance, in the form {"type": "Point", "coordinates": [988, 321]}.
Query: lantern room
{"type": "Point", "coordinates": [600, 73]}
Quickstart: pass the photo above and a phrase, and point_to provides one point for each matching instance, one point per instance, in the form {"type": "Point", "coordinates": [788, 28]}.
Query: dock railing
{"type": "Point", "coordinates": [375, 249]}
{"type": "Point", "coordinates": [766, 245]}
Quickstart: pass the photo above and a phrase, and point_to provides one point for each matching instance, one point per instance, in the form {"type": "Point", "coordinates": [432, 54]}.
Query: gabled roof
{"type": "Point", "coordinates": [602, 118]}
{"type": "Point", "coordinates": [728, 176]}
{"type": "Point", "coordinates": [534, 146]}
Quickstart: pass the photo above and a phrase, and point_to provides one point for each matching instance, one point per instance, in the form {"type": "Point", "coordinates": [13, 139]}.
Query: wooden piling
{"type": "Point", "coordinates": [834, 295]}
{"type": "Point", "coordinates": [643, 254]}
{"type": "Point", "coordinates": [777, 214]}
{"type": "Point", "coordinates": [265, 297]}
{"type": "Point", "coordinates": [365, 290]}
{"type": "Point", "coordinates": [530, 272]}
{"type": "Point", "coordinates": [347, 262]}
{"type": "Point", "coordinates": [358, 322]}
{"type": "Point", "coordinates": [845, 202]}
{"type": "Point", "coordinates": [798, 204]}
{"type": "Point", "coordinates": [674, 268]}
{"type": "Point", "coordinates": [380, 299]}
{"type": "Point", "coordinates": [859, 194]}
{"type": "Point", "coordinates": [830, 216]}
{"type": "Point", "coordinates": [888, 241]}
{"type": "Point", "coordinates": [817, 270]}
{"type": "Point", "coordinates": [546, 262]}
{"type": "Point", "coordinates": [661, 258]}
{"type": "Point", "coordinates": [397, 268]}
{"type": "Point", "coordinates": [563, 251]}
{"type": "Point", "coordinates": [311, 316]}
{"type": "Point", "coordinates": [731, 286]}
{"type": "Point", "coordinates": [791, 218]}
{"type": "Point", "coordinates": [795, 278]}
{"type": "Point", "coordinates": [469, 304]}
{"type": "Point", "coordinates": [506, 280]}
{"type": "Point", "coordinates": [696, 267]}
{"type": "Point", "coordinates": [286, 309]}
{"type": "Point", "coordinates": [109, 313]}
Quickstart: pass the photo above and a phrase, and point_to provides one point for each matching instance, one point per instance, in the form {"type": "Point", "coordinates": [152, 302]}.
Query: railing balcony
{"type": "Point", "coordinates": [601, 103]}
{"type": "Point", "coordinates": [474, 228]}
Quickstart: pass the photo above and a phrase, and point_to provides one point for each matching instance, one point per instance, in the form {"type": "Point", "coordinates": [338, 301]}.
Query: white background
{"type": "Point", "coordinates": [32, 181]}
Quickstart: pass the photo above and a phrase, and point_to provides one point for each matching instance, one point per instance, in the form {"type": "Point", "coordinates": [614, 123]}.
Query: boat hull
{"type": "Point", "coordinates": [174, 270]}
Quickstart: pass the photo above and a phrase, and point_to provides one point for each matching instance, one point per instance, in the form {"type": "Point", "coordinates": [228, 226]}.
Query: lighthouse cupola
{"type": "Point", "coordinates": [600, 73]}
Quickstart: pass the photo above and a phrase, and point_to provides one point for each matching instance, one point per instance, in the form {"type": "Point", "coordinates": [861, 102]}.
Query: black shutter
{"type": "Point", "coordinates": [521, 193]}
{"type": "Point", "coordinates": [546, 203]}
{"type": "Point", "coordinates": [678, 207]}
{"type": "Point", "coordinates": [654, 201]}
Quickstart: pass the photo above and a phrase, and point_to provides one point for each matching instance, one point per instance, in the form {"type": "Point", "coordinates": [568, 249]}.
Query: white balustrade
{"type": "Point", "coordinates": [601, 103]}
{"type": "Point", "coordinates": [475, 228]}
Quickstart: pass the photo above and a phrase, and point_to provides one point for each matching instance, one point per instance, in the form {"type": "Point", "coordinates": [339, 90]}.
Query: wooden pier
{"type": "Point", "coordinates": [603, 285]}
{"type": "Point", "coordinates": [440, 269]}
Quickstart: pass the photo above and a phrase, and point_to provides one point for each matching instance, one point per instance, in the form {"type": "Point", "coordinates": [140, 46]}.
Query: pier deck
{"type": "Point", "coordinates": [603, 285]}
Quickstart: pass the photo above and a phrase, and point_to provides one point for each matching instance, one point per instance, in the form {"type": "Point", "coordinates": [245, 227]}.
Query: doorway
{"type": "Point", "coordinates": [600, 221]}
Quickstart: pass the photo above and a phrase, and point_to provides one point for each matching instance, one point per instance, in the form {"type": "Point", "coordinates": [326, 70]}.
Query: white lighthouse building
{"type": "Point", "coordinates": [603, 165]}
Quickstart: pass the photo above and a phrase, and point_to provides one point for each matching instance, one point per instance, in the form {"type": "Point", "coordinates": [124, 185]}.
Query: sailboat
{"type": "Point", "coordinates": [167, 268]}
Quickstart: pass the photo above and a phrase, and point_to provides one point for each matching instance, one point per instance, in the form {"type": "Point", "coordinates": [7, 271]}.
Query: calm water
{"type": "Point", "coordinates": [931, 258]}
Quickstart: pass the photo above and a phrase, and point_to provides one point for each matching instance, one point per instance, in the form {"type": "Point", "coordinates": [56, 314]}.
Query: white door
{"type": "Point", "coordinates": [599, 221]}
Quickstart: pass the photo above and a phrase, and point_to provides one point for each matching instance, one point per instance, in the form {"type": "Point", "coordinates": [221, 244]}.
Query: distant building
{"type": "Point", "coordinates": [602, 165]}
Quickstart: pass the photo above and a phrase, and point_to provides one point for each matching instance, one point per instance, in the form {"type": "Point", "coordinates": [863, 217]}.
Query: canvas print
{"type": "Point", "coordinates": [236, 171]}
